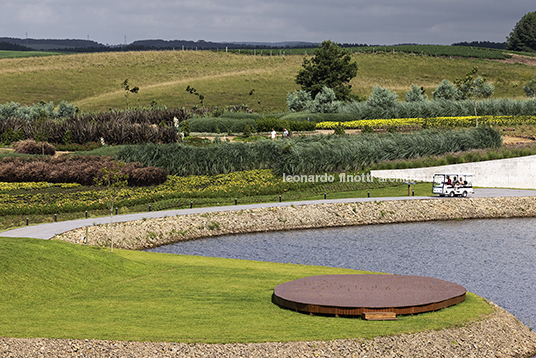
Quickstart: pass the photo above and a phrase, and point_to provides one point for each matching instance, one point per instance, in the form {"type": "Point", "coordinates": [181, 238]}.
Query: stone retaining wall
{"type": "Point", "coordinates": [142, 234]}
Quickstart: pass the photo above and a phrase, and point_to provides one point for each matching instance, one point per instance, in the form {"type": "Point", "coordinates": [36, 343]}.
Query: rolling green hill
{"type": "Point", "coordinates": [93, 81]}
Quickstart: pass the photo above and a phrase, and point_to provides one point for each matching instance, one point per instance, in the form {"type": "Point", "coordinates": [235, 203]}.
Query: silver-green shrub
{"type": "Point", "coordinates": [382, 98]}
{"type": "Point", "coordinates": [41, 110]}
{"type": "Point", "coordinates": [447, 90]}
{"type": "Point", "coordinates": [416, 94]}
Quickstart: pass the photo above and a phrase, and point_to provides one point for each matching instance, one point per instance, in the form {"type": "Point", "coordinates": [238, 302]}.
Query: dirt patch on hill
{"type": "Point", "coordinates": [525, 60]}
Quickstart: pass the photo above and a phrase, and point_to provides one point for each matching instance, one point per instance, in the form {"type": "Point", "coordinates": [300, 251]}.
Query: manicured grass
{"type": "Point", "coordinates": [55, 289]}
{"type": "Point", "coordinates": [93, 81]}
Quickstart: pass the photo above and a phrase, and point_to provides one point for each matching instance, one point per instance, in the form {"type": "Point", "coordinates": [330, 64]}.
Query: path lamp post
{"type": "Point", "coordinates": [409, 187]}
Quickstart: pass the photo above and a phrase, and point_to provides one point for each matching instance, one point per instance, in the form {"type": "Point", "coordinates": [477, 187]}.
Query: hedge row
{"type": "Point", "coordinates": [308, 155]}
{"type": "Point", "coordinates": [237, 125]}
{"type": "Point", "coordinates": [425, 109]}
{"type": "Point", "coordinates": [74, 169]}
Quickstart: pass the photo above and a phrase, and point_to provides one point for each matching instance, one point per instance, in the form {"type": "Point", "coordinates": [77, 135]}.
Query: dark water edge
{"type": "Point", "coordinates": [494, 258]}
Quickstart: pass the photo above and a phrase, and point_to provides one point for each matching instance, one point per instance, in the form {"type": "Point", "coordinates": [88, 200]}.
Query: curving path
{"type": "Point", "coordinates": [48, 231]}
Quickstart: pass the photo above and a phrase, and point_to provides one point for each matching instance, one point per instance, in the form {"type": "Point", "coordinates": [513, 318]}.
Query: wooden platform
{"type": "Point", "coordinates": [367, 295]}
{"type": "Point", "coordinates": [379, 316]}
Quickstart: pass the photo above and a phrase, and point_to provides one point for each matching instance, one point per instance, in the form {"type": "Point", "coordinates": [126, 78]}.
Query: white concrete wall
{"type": "Point", "coordinates": [519, 173]}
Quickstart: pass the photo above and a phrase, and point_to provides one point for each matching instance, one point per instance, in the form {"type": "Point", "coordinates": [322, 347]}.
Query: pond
{"type": "Point", "coordinates": [492, 258]}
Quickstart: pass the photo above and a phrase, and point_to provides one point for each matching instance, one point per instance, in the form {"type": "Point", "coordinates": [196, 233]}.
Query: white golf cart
{"type": "Point", "coordinates": [456, 184]}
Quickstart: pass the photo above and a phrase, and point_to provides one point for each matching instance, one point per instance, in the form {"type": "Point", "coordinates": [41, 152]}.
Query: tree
{"type": "Point", "coordinates": [112, 181]}
{"type": "Point", "coordinates": [523, 36]}
{"type": "Point", "coordinates": [331, 67]}
{"type": "Point", "coordinates": [530, 88]}
{"type": "Point", "coordinates": [129, 90]}
{"type": "Point", "coordinates": [193, 91]}
{"type": "Point", "coordinates": [474, 89]}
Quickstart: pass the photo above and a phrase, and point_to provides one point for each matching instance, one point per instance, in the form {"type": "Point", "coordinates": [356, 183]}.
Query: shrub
{"type": "Point", "coordinates": [266, 124]}
{"type": "Point", "coordinates": [74, 169]}
{"type": "Point", "coordinates": [10, 136]}
{"type": "Point", "coordinates": [416, 94]}
{"type": "Point", "coordinates": [339, 129]}
{"type": "Point", "coordinates": [447, 90]}
{"type": "Point", "coordinates": [29, 146]}
{"type": "Point", "coordinates": [301, 126]}
{"type": "Point", "coordinates": [186, 128]}
{"type": "Point", "coordinates": [324, 102]}
{"type": "Point", "coordinates": [74, 147]}
{"type": "Point", "coordinates": [247, 130]}
{"type": "Point", "coordinates": [221, 124]}
{"type": "Point", "coordinates": [298, 101]}
{"type": "Point", "coordinates": [367, 129]}
{"type": "Point", "coordinates": [382, 97]}
{"type": "Point", "coordinates": [319, 117]}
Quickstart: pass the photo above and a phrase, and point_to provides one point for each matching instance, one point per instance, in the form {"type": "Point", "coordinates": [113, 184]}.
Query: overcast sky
{"type": "Point", "coordinates": [382, 22]}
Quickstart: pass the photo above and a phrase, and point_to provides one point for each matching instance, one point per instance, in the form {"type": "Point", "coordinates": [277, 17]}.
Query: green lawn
{"type": "Point", "coordinates": [55, 289]}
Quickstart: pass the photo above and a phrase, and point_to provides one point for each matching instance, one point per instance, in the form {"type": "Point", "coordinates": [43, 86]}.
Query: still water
{"type": "Point", "coordinates": [492, 258]}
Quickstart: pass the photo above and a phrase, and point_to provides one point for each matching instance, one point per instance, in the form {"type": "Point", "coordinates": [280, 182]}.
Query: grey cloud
{"type": "Point", "coordinates": [372, 22]}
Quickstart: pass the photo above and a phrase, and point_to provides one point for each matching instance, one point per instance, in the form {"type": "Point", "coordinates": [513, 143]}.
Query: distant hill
{"type": "Point", "coordinates": [206, 45]}
{"type": "Point", "coordinates": [73, 45]}
{"type": "Point", "coordinates": [6, 46]}
{"type": "Point", "coordinates": [77, 45]}
{"type": "Point", "coordinates": [52, 44]}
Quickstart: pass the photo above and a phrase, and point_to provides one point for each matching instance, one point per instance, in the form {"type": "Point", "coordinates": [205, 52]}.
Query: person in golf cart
{"type": "Point", "coordinates": [453, 184]}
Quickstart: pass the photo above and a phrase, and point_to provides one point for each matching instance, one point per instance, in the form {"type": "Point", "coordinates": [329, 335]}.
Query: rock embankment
{"type": "Point", "coordinates": [147, 233]}
{"type": "Point", "coordinates": [500, 335]}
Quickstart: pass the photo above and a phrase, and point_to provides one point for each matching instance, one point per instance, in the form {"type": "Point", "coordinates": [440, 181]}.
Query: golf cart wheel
{"type": "Point", "coordinates": [464, 194]}
{"type": "Point", "coordinates": [451, 194]}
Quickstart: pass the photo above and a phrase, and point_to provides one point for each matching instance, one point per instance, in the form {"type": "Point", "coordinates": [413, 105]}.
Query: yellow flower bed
{"type": "Point", "coordinates": [467, 121]}
{"type": "Point", "coordinates": [34, 185]}
{"type": "Point", "coordinates": [255, 179]}
{"type": "Point", "coordinates": [252, 182]}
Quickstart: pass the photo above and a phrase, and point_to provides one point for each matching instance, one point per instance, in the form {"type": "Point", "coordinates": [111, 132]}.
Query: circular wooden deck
{"type": "Point", "coordinates": [355, 295]}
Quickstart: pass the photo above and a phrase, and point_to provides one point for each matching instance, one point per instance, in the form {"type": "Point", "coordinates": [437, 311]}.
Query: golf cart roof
{"type": "Point", "coordinates": [456, 174]}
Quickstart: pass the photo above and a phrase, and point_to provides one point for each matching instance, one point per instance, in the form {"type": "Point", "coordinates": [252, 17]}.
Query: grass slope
{"type": "Point", "coordinates": [93, 81]}
{"type": "Point", "coordinates": [55, 289]}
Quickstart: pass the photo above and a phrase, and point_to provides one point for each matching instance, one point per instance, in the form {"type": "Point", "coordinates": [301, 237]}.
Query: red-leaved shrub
{"type": "Point", "coordinates": [29, 146]}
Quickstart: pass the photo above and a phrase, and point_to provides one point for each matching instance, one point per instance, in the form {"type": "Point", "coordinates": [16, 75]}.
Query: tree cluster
{"type": "Point", "coordinates": [523, 36]}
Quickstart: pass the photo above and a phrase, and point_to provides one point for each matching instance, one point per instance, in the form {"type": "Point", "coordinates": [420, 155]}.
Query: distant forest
{"type": "Point", "coordinates": [67, 45]}
{"type": "Point", "coordinates": [73, 45]}
{"type": "Point", "coordinates": [486, 44]}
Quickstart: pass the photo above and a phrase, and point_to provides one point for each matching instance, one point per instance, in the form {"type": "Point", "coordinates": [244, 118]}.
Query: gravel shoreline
{"type": "Point", "coordinates": [499, 335]}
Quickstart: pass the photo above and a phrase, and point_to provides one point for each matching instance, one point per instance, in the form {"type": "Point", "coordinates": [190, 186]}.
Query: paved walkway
{"type": "Point", "coordinates": [47, 231]}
